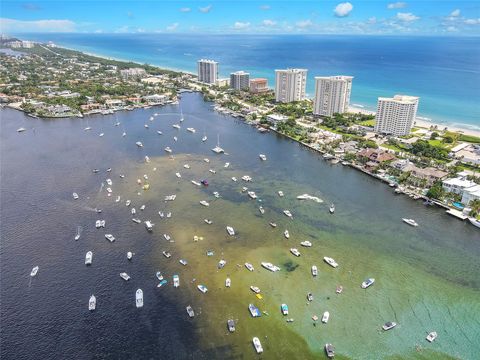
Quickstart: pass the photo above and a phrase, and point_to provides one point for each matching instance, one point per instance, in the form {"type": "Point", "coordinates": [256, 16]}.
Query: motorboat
{"type": "Point", "coordinates": [176, 126]}
{"type": "Point", "coordinates": [247, 178]}
{"type": "Point", "coordinates": [166, 254]}
{"type": "Point", "coordinates": [142, 207]}
{"type": "Point", "coordinates": [295, 252]}
{"type": "Point", "coordinates": [227, 164]}
{"type": "Point", "coordinates": [249, 266]}
{"type": "Point", "coordinates": [159, 132]}
{"type": "Point", "coordinates": [221, 264]}
{"type": "Point", "coordinates": [109, 190]}
{"type": "Point", "coordinates": [309, 197]}
{"type": "Point", "coordinates": [128, 202]}
{"type": "Point", "coordinates": [208, 221]}
{"type": "Point", "coordinates": [252, 194]}
{"type": "Point", "coordinates": [146, 126]}
{"type": "Point", "coordinates": [272, 224]}
{"type": "Point", "coordinates": [202, 288]}
{"type": "Point", "coordinates": [410, 222]}
{"type": "Point", "coordinates": [255, 289]}
{"type": "Point", "coordinates": [206, 160]}
{"type": "Point", "coordinates": [77, 235]}
{"type": "Point", "coordinates": [339, 289]}
{"type": "Point", "coordinates": [117, 199]}
{"type": "Point", "coordinates": [75, 196]}
{"type": "Point", "coordinates": [166, 236]}
{"type": "Point", "coordinates": [170, 197]}
{"type": "Point", "coordinates": [474, 222]}
{"type": "Point", "coordinates": [139, 298]}
{"type": "Point", "coordinates": [204, 203]}
{"type": "Point", "coordinates": [330, 261]}
{"type": "Point", "coordinates": [124, 276]}
{"type": "Point", "coordinates": [314, 270]}
{"type": "Point", "coordinates": [139, 144]}
{"type": "Point", "coordinates": [329, 350]}
{"type": "Point", "coordinates": [138, 221]}
{"type": "Point", "coordinates": [263, 157]}
{"type": "Point", "coordinates": [286, 234]}
{"type": "Point", "coordinates": [310, 296]}
{"type": "Point", "coordinates": [92, 303]}
{"type": "Point", "coordinates": [389, 325]}
{"type": "Point", "coordinates": [176, 281]}
{"type": "Point", "coordinates": [230, 231]}
{"type": "Point", "coordinates": [167, 149]}
{"type": "Point", "coordinates": [288, 213]}
{"type": "Point", "coordinates": [216, 194]}
{"type": "Point", "coordinates": [161, 214]}
{"type": "Point", "coordinates": [325, 317]}
{"type": "Point", "coordinates": [162, 283]}
{"type": "Point", "coordinates": [110, 237]}
{"type": "Point", "coordinates": [231, 325]}
{"type": "Point", "coordinates": [332, 209]}
{"type": "Point", "coordinates": [212, 171]}
{"type": "Point", "coordinates": [186, 166]}
{"type": "Point", "coordinates": [258, 345]}
{"type": "Point", "coordinates": [175, 138]}
{"type": "Point", "coordinates": [254, 311]}
{"type": "Point", "coordinates": [88, 128]}
{"type": "Point", "coordinates": [129, 255]}
{"type": "Point", "coordinates": [159, 275]}
{"type": "Point", "coordinates": [270, 266]}
{"type": "Point", "coordinates": [21, 129]}
{"type": "Point", "coordinates": [34, 271]}
{"type": "Point", "coordinates": [190, 311]}
{"type": "Point", "coordinates": [183, 262]}
{"type": "Point", "coordinates": [280, 193]}
{"type": "Point", "coordinates": [234, 178]}
{"type": "Point", "coordinates": [101, 134]}
{"type": "Point", "coordinates": [133, 211]}
{"type": "Point", "coordinates": [367, 283]}
{"type": "Point", "coordinates": [261, 209]}
{"type": "Point", "coordinates": [109, 182]}
{"type": "Point", "coordinates": [88, 258]}
{"type": "Point", "coordinates": [432, 336]}
{"type": "Point", "coordinates": [195, 183]}
{"type": "Point", "coordinates": [228, 282]}
{"type": "Point", "coordinates": [306, 243]}
{"type": "Point", "coordinates": [192, 130]}
{"type": "Point", "coordinates": [284, 309]}
{"type": "Point", "coordinates": [178, 175]}
{"type": "Point", "coordinates": [149, 225]}
{"type": "Point", "coordinates": [124, 134]}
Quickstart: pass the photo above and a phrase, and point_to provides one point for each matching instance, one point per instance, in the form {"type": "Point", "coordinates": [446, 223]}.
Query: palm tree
{"type": "Point", "coordinates": [475, 206]}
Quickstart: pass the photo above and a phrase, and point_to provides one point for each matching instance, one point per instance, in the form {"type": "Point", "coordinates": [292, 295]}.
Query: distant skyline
{"type": "Point", "coordinates": [243, 17]}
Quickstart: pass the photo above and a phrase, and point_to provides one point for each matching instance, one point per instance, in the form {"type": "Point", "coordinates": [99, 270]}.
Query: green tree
{"type": "Point", "coordinates": [436, 191]}
{"type": "Point", "coordinates": [475, 206]}
{"type": "Point", "coordinates": [434, 135]}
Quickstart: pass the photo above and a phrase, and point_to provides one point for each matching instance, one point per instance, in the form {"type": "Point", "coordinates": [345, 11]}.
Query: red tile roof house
{"type": "Point", "coordinates": [375, 157]}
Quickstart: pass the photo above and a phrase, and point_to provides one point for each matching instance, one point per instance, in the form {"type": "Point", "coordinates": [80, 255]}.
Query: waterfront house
{"type": "Point", "coordinates": [458, 184]}
{"type": "Point", "coordinates": [377, 156]}
{"type": "Point", "coordinates": [471, 193]}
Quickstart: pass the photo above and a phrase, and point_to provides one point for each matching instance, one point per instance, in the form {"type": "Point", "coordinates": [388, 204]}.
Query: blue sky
{"type": "Point", "coordinates": [431, 17]}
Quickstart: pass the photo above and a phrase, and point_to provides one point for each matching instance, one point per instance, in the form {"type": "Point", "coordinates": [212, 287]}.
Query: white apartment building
{"type": "Point", "coordinates": [395, 116]}
{"type": "Point", "coordinates": [240, 80]}
{"type": "Point", "coordinates": [332, 94]}
{"type": "Point", "coordinates": [207, 71]}
{"type": "Point", "coordinates": [290, 85]}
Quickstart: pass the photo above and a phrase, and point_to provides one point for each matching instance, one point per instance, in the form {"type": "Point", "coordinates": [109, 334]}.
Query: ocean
{"type": "Point", "coordinates": [443, 71]}
{"type": "Point", "coordinates": [427, 278]}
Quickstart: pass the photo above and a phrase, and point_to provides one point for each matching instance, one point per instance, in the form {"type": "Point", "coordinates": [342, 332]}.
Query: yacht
{"type": "Point", "coordinates": [92, 303]}
{"type": "Point", "coordinates": [432, 336]}
{"type": "Point", "coordinates": [228, 282]}
{"type": "Point", "coordinates": [332, 209]}
{"type": "Point", "coordinates": [124, 276]}
{"type": "Point", "coordinates": [309, 197]}
{"type": "Point", "coordinates": [270, 266]}
{"type": "Point", "coordinates": [88, 128]}
{"type": "Point", "coordinates": [183, 262]}
{"type": "Point", "coordinates": [139, 144]}
{"type": "Point", "coordinates": [88, 258]}
{"type": "Point", "coordinates": [329, 350]}
{"type": "Point", "coordinates": [252, 194]}
{"type": "Point", "coordinates": [410, 222]}
{"type": "Point", "coordinates": [474, 222]}
{"type": "Point", "coordinates": [295, 252]}
{"type": "Point", "coordinates": [249, 266]}
{"type": "Point", "coordinates": [389, 325]}
{"type": "Point", "coordinates": [330, 261]}
{"type": "Point", "coordinates": [204, 203]}
{"type": "Point", "coordinates": [254, 311]}
{"type": "Point", "coordinates": [230, 231]}
{"type": "Point", "coordinates": [75, 196]}
{"type": "Point", "coordinates": [110, 237]}
{"type": "Point", "coordinates": [176, 281]}
{"type": "Point", "coordinates": [367, 283]}
{"type": "Point", "coordinates": [310, 296]}
{"type": "Point", "coordinates": [146, 126]}
{"type": "Point", "coordinates": [208, 221]}
{"type": "Point", "coordinates": [286, 234]}
{"type": "Point", "coordinates": [139, 298]}
{"type": "Point", "coordinates": [231, 325]}
{"type": "Point", "coordinates": [227, 164]}
{"type": "Point", "coordinates": [176, 126]}
{"type": "Point", "coordinates": [149, 225]}
{"type": "Point", "coordinates": [34, 271]}
{"type": "Point", "coordinates": [280, 193]}
{"type": "Point", "coordinates": [99, 224]}
{"type": "Point", "coordinates": [217, 149]}
{"type": "Point", "coordinates": [272, 224]}
{"type": "Point", "coordinates": [128, 202]}
{"type": "Point", "coordinates": [159, 132]}
{"type": "Point", "coordinates": [255, 289]}
{"type": "Point", "coordinates": [263, 157]}
{"type": "Point", "coordinates": [190, 311]}
{"type": "Point", "coordinates": [288, 213]}
{"type": "Point", "coordinates": [261, 209]}
{"type": "Point", "coordinates": [306, 243]}
{"type": "Point", "coordinates": [196, 183]}
{"type": "Point", "coordinates": [206, 160]}
{"type": "Point", "coordinates": [234, 178]}
{"type": "Point", "coordinates": [314, 270]}
{"type": "Point", "coordinates": [138, 221]}
{"type": "Point", "coordinates": [284, 309]}
{"type": "Point", "coordinates": [221, 264]}
{"type": "Point", "coordinates": [192, 130]}
{"type": "Point", "coordinates": [258, 345]}
{"type": "Point", "coordinates": [325, 317]}
{"type": "Point", "coordinates": [202, 288]}
{"type": "Point", "coordinates": [129, 255]}
{"type": "Point", "coordinates": [167, 149]}
{"type": "Point", "coordinates": [159, 275]}
{"type": "Point", "coordinates": [178, 175]}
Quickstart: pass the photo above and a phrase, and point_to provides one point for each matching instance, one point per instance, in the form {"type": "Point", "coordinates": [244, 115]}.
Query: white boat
{"type": "Point", "coordinates": [206, 160]}
{"type": "Point", "coordinates": [192, 130]}
{"type": "Point", "coordinates": [252, 194]}
{"type": "Point", "coordinates": [204, 138]}
{"type": "Point", "coordinates": [129, 255]}
{"type": "Point", "coordinates": [146, 126]}
{"type": "Point", "coordinates": [227, 164]}
{"type": "Point", "coordinates": [263, 157]}
{"type": "Point", "coordinates": [272, 224]}
{"type": "Point", "coordinates": [186, 166]}
{"type": "Point", "coordinates": [75, 196]}
{"type": "Point", "coordinates": [314, 270]}
{"type": "Point", "coordinates": [170, 197]}
{"type": "Point", "coordinates": [474, 222]}
{"type": "Point", "coordinates": [190, 311]}
{"type": "Point", "coordinates": [147, 159]}
{"type": "Point", "coordinates": [183, 262]}
{"type": "Point", "coordinates": [99, 224]}
{"type": "Point", "coordinates": [309, 197]}
{"type": "Point", "coordinates": [110, 237]}
{"type": "Point", "coordinates": [176, 281]}
{"type": "Point", "coordinates": [138, 221]}
{"type": "Point", "coordinates": [230, 231]}
{"type": "Point", "coordinates": [221, 264]}
{"type": "Point", "coordinates": [34, 271]}
{"type": "Point", "coordinates": [367, 283]}
{"type": "Point", "coordinates": [159, 132]}
{"type": "Point", "coordinates": [202, 288]}
{"type": "Point", "coordinates": [306, 243]}
{"type": "Point", "coordinates": [286, 234]}
{"type": "Point", "coordinates": [247, 178]}
{"type": "Point", "coordinates": [228, 282]}
{"type": "Point", "coordinates": [325, 317]}
{"type": "Point", "coordinates": [21, 129]}
{"type": "Point", "coordinates": [330, 261]}
{"type": "Point", "coordinates": [284, 309]}
{"type": "Point", "coordinates": [288, 213]}
{"type": "Point", "coordinates": [249, 266]}
{"type": "Point", "coordinates": [101, 134]}
{"type": "Point", "coordinates": [149, 225]}
{"type": "Point", "coordinates": [332, 209]}
{"type": "Point", "coordinates": [142, 207]}
{"type": "Point", "coordinates": [261, 209]}
{"type": "Point", "coordinates": [208, 221]}
{"type": "Point", "coordinates": [270, 266]}
{"type": "Point", "coordinates": [124, 134]}
{"type": "Point", "coordinates": [255, 289]}
{"type": "Point", "coordinates": [167, 149]}
{"type": "Point", "coordinates": [295, 252]}
{"type": "Point", "coordinates": [92, 303]}
{"type": "Point", "coordinates": [432, 336]}
{"type": "Point", "coordinates": [234, 178]}
{"type": "Point", "coordinates": [196, 183]}
{"type": "Point", "coordinates": [212, 171]}
{"type": "Point", "coordinates": [217, 149]}
{"type": "Point", "coordinates": [176, 126]}
{"type": "Point", "coordinates": [88, 258]}
{"type": "Point", "coordinates": [389, 325]}
{"type": "Point", "coordinates": [139, 144]}
{"type": "Point", "coordinates": [178, 175]}
{"type": "Point", "coordinates": [124, 276]}
{"type": "Point", "coordinates": [280, 193]}
{"type": "Point", "coordinates": [175, 138]}
{"type": "Point", "coordinates": [139, 298]}
{"type": "Point", "coordinates": [117, 199]}
{"type": "Point", "coordinates": [133, 211]}
{"type": "Point", "coordinates": [109, 190]}
{"type": "Point", "coordinates": [128, 202]}
{"type": "Point", "coordinates": [216, 194]}
{"type": "Point", "coordinates": [231, 325]}
{"type": "Point", "coordinates": [167, 237]}
{"type": "Point", "coordinates": [88, 128]}
{"type": "Point", "coordinates": [159, 275]}
{"type": "Point", "coordinates": [77, 235]}
{"type": "Point", "coordinates": [410, 222]}
{"type": "Point", "coordinates": [258, 345]}
{"type": "Point", "coordinates": [167, 254]}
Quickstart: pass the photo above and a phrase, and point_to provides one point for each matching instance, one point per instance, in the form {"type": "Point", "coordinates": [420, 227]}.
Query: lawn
{"type": "Point", "coordinates": [370, 123]}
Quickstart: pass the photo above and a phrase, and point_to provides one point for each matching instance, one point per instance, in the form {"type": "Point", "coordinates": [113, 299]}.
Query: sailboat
{"type": "Point", "coordinates": [204, 138]}
{"type": "Point", "coordinates": [181, 116]}
{"type": "Point", "coordinates": [217, 149]}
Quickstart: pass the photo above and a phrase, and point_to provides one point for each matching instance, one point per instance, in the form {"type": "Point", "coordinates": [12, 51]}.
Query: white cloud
{"type": "Point", "coordinates": [472, 21]}
{"type": "Point", "coordinates": [268, 22]}
{"type": "Point", "coordinates": [372, 20]}
{"type": "Point", "coordinates": [241, 25]}
{"type": "Point", "coordinates": [407, 17]}
{"type": "Point", "coordinates": [303, 24]}
{"type": "Point", "coordinates": [13, 25]}
{"type": "Point", "coordinates": [205, 9]}
{"type": "Point", "coordinates": [265, 7]}
{"type": "Point", "coordinates": [343, 9]}
{"type": "Point", "coordinates": [397, 5]}
{"type": "Point", "coordinates": [455, 13]}
{"type": "Point", "coordinates": [452, 29]}
{"type": "Point", "coordinates": [185, 9]}
{"type": "Point", "coordinates": [173, 27]}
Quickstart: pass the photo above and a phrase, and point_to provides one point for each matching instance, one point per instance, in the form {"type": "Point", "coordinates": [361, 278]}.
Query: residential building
{"type": "Point", "coordinates": [276, 118]}
{"type": "Point", "coordinates": [222, 82]}
{"type": "Point", "coordinates": [332, 95]}
{"type": "Point", "coordinates": [290, 85]}
{"type": "Point", "coordinates": [395, 116]}
{"type": "Point", "coordinates": [375, 157]}
{"type": "Point", "coordinates": [470, 194]}
{"type": "Point", "coordinates": [207, 71]}
{"type": "Point", "coordinates": [132, 73]}
{"type": "Point", "coordinates": [457, 185]}
{"type": "Point", "coordinates": [240, 80]}
{"type": "Point", "coordinates": [258, 85]}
